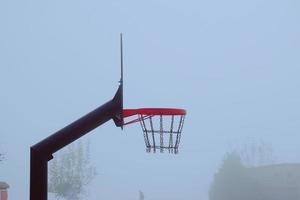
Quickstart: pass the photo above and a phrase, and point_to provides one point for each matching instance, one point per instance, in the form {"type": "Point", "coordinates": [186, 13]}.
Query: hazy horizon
{"type": "Point", "coordinates": [233, 65]}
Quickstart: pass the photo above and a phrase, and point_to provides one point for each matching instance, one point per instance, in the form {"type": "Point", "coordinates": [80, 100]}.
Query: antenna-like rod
{"type": "Point", "coordinates": [121, 43]}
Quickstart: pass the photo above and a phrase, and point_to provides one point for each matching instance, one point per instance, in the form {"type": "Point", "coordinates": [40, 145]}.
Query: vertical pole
{"type": "Point", "coordinates": [121, 53]}
{"type": "Point", "coordinates": [39, 176]}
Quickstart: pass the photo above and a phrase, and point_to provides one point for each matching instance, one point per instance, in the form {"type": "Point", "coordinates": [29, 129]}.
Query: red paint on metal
{"type": "Point", "coordinates": [4, 195]}
{"type": "Point", "coordinates": [149, 112]}
{"type": "Point", "coordinates": [153, 111]}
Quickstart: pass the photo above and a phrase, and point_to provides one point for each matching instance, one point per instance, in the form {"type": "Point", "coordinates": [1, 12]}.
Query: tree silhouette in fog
{"type": "Point", "coordinates": [141, 195]}
{"type": "Point", "coordinates": [232, 182]}
{"type": "Point", "coordinates": [256, 153]}
{"type": "Point", "coordinates": [70, 172]}
{"type": "Point", "coordinates": [1, 156]}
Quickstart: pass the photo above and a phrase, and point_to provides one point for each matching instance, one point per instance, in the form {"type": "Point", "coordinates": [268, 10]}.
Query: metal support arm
{"type": "Point", "coordinates": [41, 152]}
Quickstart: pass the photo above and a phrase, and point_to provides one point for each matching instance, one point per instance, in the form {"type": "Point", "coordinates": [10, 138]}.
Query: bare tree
{"type": "Point", "coordinates": [70, 172]}
{"type": "Point", "coordinates": [253, 152]}
{"type": "Point", "coordinates": [1, 157]}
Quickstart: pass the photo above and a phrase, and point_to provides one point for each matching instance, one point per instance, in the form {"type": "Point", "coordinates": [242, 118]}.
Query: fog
{"type": "Point", "coordinates": [233, 65]}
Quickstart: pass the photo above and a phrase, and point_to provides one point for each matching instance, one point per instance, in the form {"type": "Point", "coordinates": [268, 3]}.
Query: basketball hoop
{"type": "Point", "coordinates": [161, 127]}
{"type": "Point", "coordinates": [157, 125]}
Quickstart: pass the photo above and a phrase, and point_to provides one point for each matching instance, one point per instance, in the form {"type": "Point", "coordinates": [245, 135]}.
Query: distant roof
{"type": "Point", "coordinates": [3, 185]}
{"type": "Point", "coordinates": [286, 174]}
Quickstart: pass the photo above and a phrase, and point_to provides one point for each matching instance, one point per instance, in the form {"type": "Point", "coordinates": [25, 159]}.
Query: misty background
{"type": "Point", "coordinates": [233, 65]}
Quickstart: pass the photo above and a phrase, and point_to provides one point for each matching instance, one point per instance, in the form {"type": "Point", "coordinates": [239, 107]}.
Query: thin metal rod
{"type": "Point", "coordinates": [158, 131]}
{"type": "Point", "coordinates": [171, 132]}
{"type": "Point", "coordinates": [161, 133]}
{"type": "Point", "coordinates": [121, 49]}
{"type": "Point", "coordinates": [152, 130]}
{"type": "Point", "coordinates": [181, 126]}
{"type": "Point", "coordinates": [145, 131]}
{"type": "Point", "coordinates": [179, 131]}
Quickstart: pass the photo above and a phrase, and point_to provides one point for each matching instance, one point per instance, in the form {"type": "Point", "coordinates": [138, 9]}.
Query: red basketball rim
{"type": "Point", "coordinates": [153, 111]}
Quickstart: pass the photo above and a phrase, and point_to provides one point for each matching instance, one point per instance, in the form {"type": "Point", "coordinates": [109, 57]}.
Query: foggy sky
{"type": "Point", "coordinates": [234, 65]}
